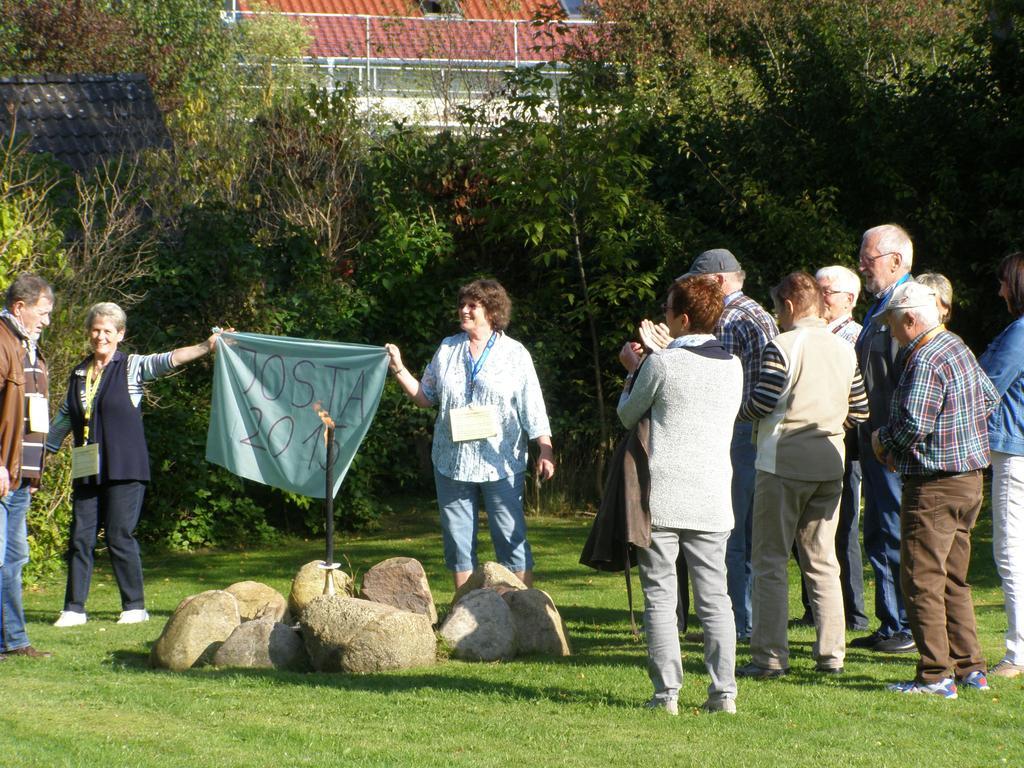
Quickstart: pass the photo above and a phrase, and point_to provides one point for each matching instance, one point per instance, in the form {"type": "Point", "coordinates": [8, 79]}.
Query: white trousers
{"type": "Point", "coordinates": [1008, 544]}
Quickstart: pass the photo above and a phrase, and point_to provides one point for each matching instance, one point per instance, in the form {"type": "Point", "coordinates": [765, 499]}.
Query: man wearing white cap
{"type": "Point", "coordinates": [744, 329]}
{"type": "Point", "coordinates": [937, 440]}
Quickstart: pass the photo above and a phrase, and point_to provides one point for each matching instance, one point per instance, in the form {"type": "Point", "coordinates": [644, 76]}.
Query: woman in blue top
{"type": "Point", "coordinates": [1003, 361]}
{"type": "Point", "coordinates": [110, 463]}
{"type": "Point", "coordinates": [488, 404]}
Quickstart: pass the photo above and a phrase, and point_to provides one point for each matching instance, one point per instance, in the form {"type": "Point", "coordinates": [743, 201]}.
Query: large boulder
{"type": "Point", "coordinates": [195, 630]}
{"type": "Point", "coordinates": [258, 601]}
{"type": "Point", "coordinates": [263, 644]}
{"type": "Point", "coordinates": [400, 582]}
{"type": "Point", "coordinates": [489, 576]}
{"type": "Point", "coordinates": [539, 626]}
{"type": "Point", "coordinates": [479, 627]}
{"type": "Point", "coordinates": [346, 634]}
{"type": "Point", "coordinates": [308, 584]}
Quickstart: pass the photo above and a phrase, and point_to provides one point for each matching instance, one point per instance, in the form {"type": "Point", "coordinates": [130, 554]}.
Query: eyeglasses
{"type": "Point", "coordinates": [831, 292]}
{"type": "Point", "coordinates": [873, 259]}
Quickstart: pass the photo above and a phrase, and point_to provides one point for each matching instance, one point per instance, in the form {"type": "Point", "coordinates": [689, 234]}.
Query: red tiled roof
{"type": "Point", "coordinates": [471, 9]}
{"type": "Point", "coordinates": [419, 39]}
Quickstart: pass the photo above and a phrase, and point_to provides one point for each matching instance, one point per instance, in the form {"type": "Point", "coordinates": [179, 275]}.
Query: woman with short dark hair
{"type": "Point", "coordinates": [1003, 361]}
{"type": "Point", "coordinates": [489, 403]}
{"type": "Point", "coordinates": [692, 390]}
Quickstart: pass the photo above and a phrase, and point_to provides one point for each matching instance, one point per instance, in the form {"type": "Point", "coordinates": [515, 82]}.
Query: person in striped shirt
{"type": "Point", "coordinates": [808, 392]}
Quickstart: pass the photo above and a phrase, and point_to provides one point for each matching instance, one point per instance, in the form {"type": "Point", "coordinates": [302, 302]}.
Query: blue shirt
{"type": "Point", "coordinates": [507, 381]}
{"type": "Point", "coordinates": [1003, 361]}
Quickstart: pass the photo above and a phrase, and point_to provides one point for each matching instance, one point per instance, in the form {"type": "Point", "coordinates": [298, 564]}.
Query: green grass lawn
{"type": "Point", "coordinates": [97, 703]}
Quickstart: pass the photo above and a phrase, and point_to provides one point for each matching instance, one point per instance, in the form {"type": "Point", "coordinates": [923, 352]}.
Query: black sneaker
{"type": "Point", "coordinates": [868, 641]}
{"type": "Point", "coordinates": [829, 670]}
{"type": "Point", "coordinates": [760, 673]}
{"type": "Point", "coordinates": [901, 642]}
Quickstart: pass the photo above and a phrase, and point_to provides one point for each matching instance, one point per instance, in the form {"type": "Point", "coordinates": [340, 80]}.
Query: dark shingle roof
{"type": "Point", "coordinates": [82, 119]}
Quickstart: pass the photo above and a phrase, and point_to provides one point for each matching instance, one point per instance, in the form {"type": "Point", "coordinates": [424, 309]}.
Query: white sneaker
{"type": "Point", "coordinates": [669, 705]}
{"type": "Point", "coordinates": [70, 619]}
{"type": "Point", "coordinates": [134, 616]}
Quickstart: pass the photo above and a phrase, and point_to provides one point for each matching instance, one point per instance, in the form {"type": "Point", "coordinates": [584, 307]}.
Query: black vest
{"type": "Point", "coordinates": [116, 424]}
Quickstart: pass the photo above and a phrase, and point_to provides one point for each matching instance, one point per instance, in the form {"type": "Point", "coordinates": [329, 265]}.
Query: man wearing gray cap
{"type": "Point", "coordinates": [937, 440]}
{"type": "Point", "coordinates": [744, 328]}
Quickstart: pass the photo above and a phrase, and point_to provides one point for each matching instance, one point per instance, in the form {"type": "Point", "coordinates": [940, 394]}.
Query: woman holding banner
{"type": "Point", "coordinates": [489, 403]}
{"type": "Point", "coordinates": [110, 461]}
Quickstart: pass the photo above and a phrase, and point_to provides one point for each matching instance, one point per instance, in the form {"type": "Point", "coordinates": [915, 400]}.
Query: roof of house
{"type": "Point", "coordinates": [82, 119]}
{"type": "Point", "coordinates": [523, 10]}
{"type": "Point", "coordinates": [427, 40]}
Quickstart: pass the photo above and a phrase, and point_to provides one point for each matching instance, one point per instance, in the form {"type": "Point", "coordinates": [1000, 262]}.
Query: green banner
{"type": "Point", "coordinates": [263, 420]}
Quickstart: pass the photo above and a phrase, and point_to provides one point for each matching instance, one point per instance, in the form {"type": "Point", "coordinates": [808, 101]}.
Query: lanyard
{"type": "Point", "coordinates": [475, 368]}
{"type": "Point", "coordinates": [842, 325]}
{"type": "Point", "coordinates": [92, 387]}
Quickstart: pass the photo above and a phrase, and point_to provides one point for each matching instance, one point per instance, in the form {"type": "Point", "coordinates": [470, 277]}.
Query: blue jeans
{"type": "Point", "coordinates": [13, 556]}
{"type": "Point", "coordinates": [737, 553]}
{"type": "Point", "coordinates": [460, 506]}
{"type": "Point", "coordinates": [882, 494]}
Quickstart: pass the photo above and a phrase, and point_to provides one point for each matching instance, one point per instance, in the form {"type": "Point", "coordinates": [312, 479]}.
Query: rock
{"type": "Point", "coordinates": [195, 630]}
{"type": "Point", "coordinates": [346, 634]}
{"type": "Point", "coordinates": [539, 627]}
{"type": "Point", "coordinates": [489, 576]}
{"type": "Point", "coordinates": [479, 627]}
{"type": "Point", "coordinates": [400, 582]}
{"type": "Point", "coordinates": [309, 584]}
{"type": "Point", "coordinates": [263, 644]}
{"type": "Point", "coordinates": [258, 601]}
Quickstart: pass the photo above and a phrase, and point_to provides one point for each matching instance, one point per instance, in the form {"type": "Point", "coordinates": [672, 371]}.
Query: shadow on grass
{"type": "Point", "coordinates": [449, 681]}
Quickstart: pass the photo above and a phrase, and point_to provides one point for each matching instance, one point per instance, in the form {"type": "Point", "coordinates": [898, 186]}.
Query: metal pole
{"type": "Point", "coordinates": [329, 565]}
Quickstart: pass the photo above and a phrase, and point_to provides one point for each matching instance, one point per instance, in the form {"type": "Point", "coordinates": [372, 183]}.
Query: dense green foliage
{"type": "Point", "coordinates": [777, 129]}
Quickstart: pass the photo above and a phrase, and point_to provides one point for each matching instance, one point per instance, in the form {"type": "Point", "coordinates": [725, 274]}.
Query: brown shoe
{"type": "Point", "coordinates": [29, 651]}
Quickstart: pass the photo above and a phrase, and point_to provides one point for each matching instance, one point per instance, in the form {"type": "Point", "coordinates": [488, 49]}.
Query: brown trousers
{"type": "Point", "coordinates": [936, 518]}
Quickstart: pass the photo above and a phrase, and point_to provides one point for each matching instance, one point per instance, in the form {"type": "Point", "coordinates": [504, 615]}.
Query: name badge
{"type": "Point", "coordinates": [475, 422]}
{"type": "Point", "coordinates": [85, 461]}
{"type": "Point", "coordinates": [38, 414]}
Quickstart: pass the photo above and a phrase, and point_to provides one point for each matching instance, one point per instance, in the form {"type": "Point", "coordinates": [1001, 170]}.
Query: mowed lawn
{"type": "Point", "coordinates": [97, 702]}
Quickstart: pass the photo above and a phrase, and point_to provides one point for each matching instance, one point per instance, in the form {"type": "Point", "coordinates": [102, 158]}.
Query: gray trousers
{"type": "Point", "coordinates": [705, 555]}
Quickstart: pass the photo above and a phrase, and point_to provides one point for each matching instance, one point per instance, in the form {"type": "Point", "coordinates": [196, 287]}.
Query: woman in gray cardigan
{"type": "Point", "coordinates": [692, 389]}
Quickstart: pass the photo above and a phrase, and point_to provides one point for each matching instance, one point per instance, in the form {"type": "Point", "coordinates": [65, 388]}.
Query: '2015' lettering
{"type": "Point", "coordinates": [315, 438]}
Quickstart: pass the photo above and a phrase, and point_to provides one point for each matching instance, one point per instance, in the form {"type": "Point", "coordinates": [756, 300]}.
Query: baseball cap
{"type": "Point", "coordinates": [910, 295]}
{"type": "Point", "coordinates": [713, 262]}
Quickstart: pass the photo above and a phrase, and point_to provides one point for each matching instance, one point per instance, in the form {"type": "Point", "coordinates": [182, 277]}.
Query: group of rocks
{"type": "Point", "coordinates": [390, 625]}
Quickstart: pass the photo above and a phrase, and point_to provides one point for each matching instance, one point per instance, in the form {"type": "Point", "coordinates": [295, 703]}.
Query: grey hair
{"type": "Point", "coordinates": [892, 238]}
{"type": "Point", "coordinates": [29, 289]}
{"type": "Point", "coordinates": [943, 289]}
{"type": "Point", "coordinates": [928, 315]}
{"type": "Point", "coordinates": [109, 310]}
{"type": "Point", "coordinates": [841, 278]}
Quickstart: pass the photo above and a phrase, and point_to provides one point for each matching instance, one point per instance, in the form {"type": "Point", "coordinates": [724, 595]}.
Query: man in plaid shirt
{"type": "Point", "coordinates": [937, 440]}
{"type": "Point", "coordinates": [744, 329]}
